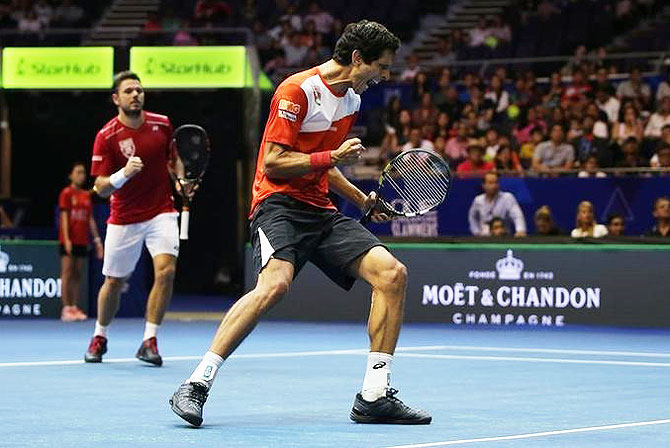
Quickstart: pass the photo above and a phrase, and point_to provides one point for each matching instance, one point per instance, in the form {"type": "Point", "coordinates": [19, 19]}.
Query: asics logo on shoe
{"type": "Point", "coordinates": [208, 372]}
{"type": "Point", "coordinates": [379, 365]}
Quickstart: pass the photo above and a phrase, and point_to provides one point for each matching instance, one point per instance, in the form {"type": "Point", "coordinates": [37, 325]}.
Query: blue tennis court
{"type": "Point", "coordinates": [292, 385]}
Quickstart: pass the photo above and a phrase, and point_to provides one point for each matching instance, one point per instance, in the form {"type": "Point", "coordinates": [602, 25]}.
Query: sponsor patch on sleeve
{"type": "Point", "coordinates": [96, 158]}
{"type": "Point", "coordinates": [287, 115]}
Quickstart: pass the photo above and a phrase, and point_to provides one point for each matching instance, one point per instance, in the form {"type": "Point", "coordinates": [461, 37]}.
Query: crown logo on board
{"type": "Point", "coordinates": [509, 268]}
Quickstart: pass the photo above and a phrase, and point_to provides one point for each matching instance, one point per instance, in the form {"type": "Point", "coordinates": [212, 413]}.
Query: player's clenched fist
{"type": "Point", "coordinates": [349, 152]}
{"type": "Point", "coordinates": [133, 167]}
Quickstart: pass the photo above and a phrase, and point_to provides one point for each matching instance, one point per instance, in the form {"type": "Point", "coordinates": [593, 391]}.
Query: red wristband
{"type": "Point", "coordinates": [320, 160]}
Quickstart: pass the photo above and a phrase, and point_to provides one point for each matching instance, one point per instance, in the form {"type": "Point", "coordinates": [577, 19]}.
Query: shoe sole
{"type": "Point", "coordinates": [357, 418]}
{"type": "Point", "coordinates": [93, 360]}
{"type": "Point", "coordinates": [192, 419]}
{"type": "Point", "coordinates": [158, 362]}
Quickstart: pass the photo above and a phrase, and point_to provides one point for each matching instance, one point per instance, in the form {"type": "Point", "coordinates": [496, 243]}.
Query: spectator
{"type": "Point", "coordinates": [593, 142]}
{"type": "Point", "coordinates": [44, 12]}
{"type": "Point", "coordinates": [184, 38]}
{"type": "Point", "coordinates": [308, 34]}
{"type": "Point", "coordinates": [661, 213]}
{"type": "Point", "coordinates": [664, 87]}
{"type": "Point", "coordinates": [544, 222]}
{"type": "Point", "coordinates": [444, 55]}
{"type": "Point", "coordinates": [528, 122]}
{"type": "Point", "coordinates": [631, 127]}
{"type": "Point", "coordinates": [658, 120]}
{"type": "Point", "coordinates": [449, 103]}
{"type": "Point", "coordinates": [426, 113]}
{"type": "Point", "coordinates": [68, 15]}
{"type": "Point", "coordinates": [29, 23]}
{"type": "Point", "coordinates": [552, 98]}
{"type": "Point", "coordinates": [615, 225]}
{"type": "Point", "coordinates": [586, 225]}
{"type": "Point", "coordinates": [322, 19]}
{"type": "Point", "coordinates": [554, 154]}
{"type": "Point", "coordinates": [528, 148]}
{"type": "Point", "coordinates": [421, 86]}
{"type": "Point", "coordinates": [602, 81]}
{"type": "Point", "coordinates": [291, 16]}
{"type": "Point", "coordinates": [440, 145]}
{"type": "Point", "coordinates": [578, 90]}
{"type": "Point", "coordinates": [411, 69]}
{"type": "Point", "coordinates": [152, 26]}
{"type": "Point", "coordinates": [507, 160]}
{"type": "Point", "coordinates": [474, 165]}
{"type": "Point", "coordinates": [212, 12]}
{"type": "Point", "coordinates": [479, 34]}
{"type": "Point", "coordinates": [634, 88]}
{"type": "Point", "coordinates": [590, 168]}
{"type": "Point", "coordinates": [608, 104]}
{"type": "Point", "coordinates": [457, 146]}
{"type": "Point", "coordinates": [631, 157]}
{"type": "Point", "coordinates": [294, 52]}
{"type": "Point", "coordinates": [416, 140]}
{"type": "Point", "coordinates": [662, 159]}
{"type": "Point", "coordinates": [442, 128]}
{"type": "Point", "coordinates": [396, 136]}
{"type": "Point", "coordinates": [494, 202]}
{"type": "Point", "coordinates": [497, 227]}
{"type": "Point", "coordinates": [490, 144]}
{"type": "Point", "coordinates": [500, 30]}
{"type": "Point", "coordinates": [546, 9]}
{"type": "Point", "coordinates": [576, 61]}
{"type": "Point", "coordinates": [496, 97]}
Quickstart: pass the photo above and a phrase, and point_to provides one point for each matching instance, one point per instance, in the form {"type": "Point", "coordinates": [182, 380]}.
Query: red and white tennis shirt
{"type": "Point", "coordinates": [307, 115]}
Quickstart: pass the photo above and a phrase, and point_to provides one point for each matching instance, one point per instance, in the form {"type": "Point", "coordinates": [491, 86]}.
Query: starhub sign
{"type": "Point", "coordinates": [29, 280]}
{"type": "Point", "coordinates": [512, 294]}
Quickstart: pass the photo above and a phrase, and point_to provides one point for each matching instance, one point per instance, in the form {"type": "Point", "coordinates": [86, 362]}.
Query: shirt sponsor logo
{"type": "Point", "coordinates": [317, 95]}
{"type": "Point", "coordinates": [96, 159]}
{"type": "Point", "coordinates": [289, 106]}
{"type": "Point", "coordinates": [287, 115]}
{"type": "Point", "coordinates": [127, 147]}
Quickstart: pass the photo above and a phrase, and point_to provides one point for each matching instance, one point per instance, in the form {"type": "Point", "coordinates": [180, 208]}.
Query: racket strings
{"type": "Point", "coordinates": [420, 181]}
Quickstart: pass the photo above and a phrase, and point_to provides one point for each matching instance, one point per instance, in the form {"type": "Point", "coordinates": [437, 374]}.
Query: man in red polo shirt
{"type": "Point", "coordinates": [132, 156]}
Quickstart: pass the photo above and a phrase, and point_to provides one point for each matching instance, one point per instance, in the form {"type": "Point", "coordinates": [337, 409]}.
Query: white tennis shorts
{"type": "Point", "coordinates": [123, 243]}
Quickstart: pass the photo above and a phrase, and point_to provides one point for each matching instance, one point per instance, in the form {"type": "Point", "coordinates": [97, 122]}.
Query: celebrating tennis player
{"type": "Point", "coordinates": [293, 220]}
{"type": "Point", "coordinates": [132, 159]}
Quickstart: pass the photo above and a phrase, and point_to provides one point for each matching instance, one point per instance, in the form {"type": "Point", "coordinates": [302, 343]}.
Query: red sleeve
{"type": "Point", "coordinates": [287, 111]}
{"type": "Point", "coordinates": [64, 200]}
{"type": "Point", "coordinates": [100, 162]}
{"type": "Point", "coordinates": [172, 148]}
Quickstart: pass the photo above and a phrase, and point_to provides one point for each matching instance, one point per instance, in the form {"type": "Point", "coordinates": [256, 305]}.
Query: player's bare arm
{"type": "Point", "coordinates": [105, 185]}
{"type": "Point", "coordinates": [282, 162]}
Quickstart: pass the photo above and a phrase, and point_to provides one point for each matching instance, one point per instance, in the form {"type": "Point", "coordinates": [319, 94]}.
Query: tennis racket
{"type": "Point", "coordinates": [192, 145]}
{"type": "Point", "coordinates": [413, 183]}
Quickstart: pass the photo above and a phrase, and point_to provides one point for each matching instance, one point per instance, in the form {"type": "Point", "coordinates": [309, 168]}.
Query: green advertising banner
{"type": "Point", "coordinates": [58, 68]}
{"type": "Point", "coordinates": [182, 67]}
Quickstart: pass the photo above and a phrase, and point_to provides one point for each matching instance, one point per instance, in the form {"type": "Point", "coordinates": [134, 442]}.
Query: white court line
{"type": "Point", "coordinates": [534, 434]}
{"type": "Point", "coordinates": [539, 360]}
{"type": "Point", "coordinates": [401, 351]}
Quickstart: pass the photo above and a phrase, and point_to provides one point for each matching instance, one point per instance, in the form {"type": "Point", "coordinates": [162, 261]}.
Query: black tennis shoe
{"type": "Point", "coordinates": [387, 409]}
{"type": "Point", "coordinates": [96, 349]}
{"type": "Point", "coordinates": [188, 400]}
{"type": "Point", "coordinates": [148, 352]}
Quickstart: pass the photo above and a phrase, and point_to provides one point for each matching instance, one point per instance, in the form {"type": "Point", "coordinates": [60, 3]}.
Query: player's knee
{"type": "Point", "coordinates": [114, 283]}
{"type": "Point", "coordinates": [277, 290]}
{"type": "Point", "coordinates": [165, 273]}
{"type": "Point", "coordinates": [393, 277]}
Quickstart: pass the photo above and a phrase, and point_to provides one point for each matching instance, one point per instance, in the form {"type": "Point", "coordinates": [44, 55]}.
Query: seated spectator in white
{"type": "Point", "coordinates": [492, 203]}
{"type": "Point", "coordinates": [479, 34]}
{"type": "Point", "coordinates": [658, 119]}
{"type": "Point", "coordinates": [457, 146]}
{"type": "Point", "coordinates": [616, 226]}
{"type": "Point", "coordinates": [411, 69]}
{"type": "Point", "coordinates": [630, 127]}
{"type": "Point", "coordinates": [590, 168]}
{"type": "Point", "coordinates": [608, 104]}
{"type": "Point", "coordinates": [295, 53]}
{"type": "Point", "coordinates": [322, 19]}
{"type": "Point", "coordinates": [500, 30]}
{"type": "Point", "coordinates": [554, 154]}
{"type": "Point", "coordinates": [507, 160]}
{"type": "Point", "coordinates": [416, 140]}
{"type": "Point", "coordinates": [544, 222]}
{"type": "Point", "coordinates": [661, 213]}
{"type": "Point", "coordinates": [663, 89]}
{"type": "Point", "coordinates": [586, 225]}
{"type": "Point", "coordinates": [490, 144]}
{"type": "Point", "coordinates": [474, 165]}
{"type": "Point", "coordinates": [291, 15]}
{"type": "Point", "coordinates": [631, 155]}
{"type": "Point", "coordinates": [68, 14]}
{"type": "Point", "coordinates": [661, 159]}
{"type": "Point", "coordinates": [29, 23]}
{"type": "Point", "coordinates": [497, 227]}
{"type": "Point", "coordinates": [496, 97]}
{"type": "Point", "coordinates": [634, 88]}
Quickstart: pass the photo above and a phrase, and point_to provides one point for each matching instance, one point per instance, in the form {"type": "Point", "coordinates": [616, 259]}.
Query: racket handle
{"type": "Point", "coordinates": [366, 217]}
{"type": "Point", "coordinates": [183, 231]}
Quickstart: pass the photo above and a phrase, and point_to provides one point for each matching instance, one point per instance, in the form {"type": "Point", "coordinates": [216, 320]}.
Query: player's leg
{"type": "Point", "coordinates": [67, 265]}
{"type": "Point", "coordinates": [123, 247]}
{"type": "Point", "coordinates": [377, 402]}
{"type": "Point", "coordinates": [162, 240]}
{"type": "Point", "coordinates": [273, 282]}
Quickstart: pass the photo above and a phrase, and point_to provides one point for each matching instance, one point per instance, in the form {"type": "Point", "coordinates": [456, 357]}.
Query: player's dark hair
{"type": "Point", "coordinates": [369, 38]}
{"type": "Point", "coordinates": [122, 76]}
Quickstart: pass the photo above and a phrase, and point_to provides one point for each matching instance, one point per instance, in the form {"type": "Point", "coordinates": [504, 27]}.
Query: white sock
{"type": "Point", "coordinates": [150, 330]}
{"type": "Point", "coordinates": [377, 376]}
{"type": "Point", "coordinates": [100, 330]}
{"type": "Point", "coordinates": [206, 370]}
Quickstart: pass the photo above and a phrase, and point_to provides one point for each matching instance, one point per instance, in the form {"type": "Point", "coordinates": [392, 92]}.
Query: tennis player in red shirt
{"type": "Point", "coordinates": [76, 225]}
{"type": "Point", "coordinates": [294, 221]}
{"type": "Point", "coordinates": [132, 159]}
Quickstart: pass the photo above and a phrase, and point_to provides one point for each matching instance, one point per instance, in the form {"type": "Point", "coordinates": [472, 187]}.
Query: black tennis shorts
{"type": "Point", "coordinates": [288, 229]}
{"type": "Point", "coordinates": [78, 250]}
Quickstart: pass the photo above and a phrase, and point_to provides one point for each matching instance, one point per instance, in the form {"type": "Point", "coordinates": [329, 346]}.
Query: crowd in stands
{"type": "Point", "coordinates": [33, 16]}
